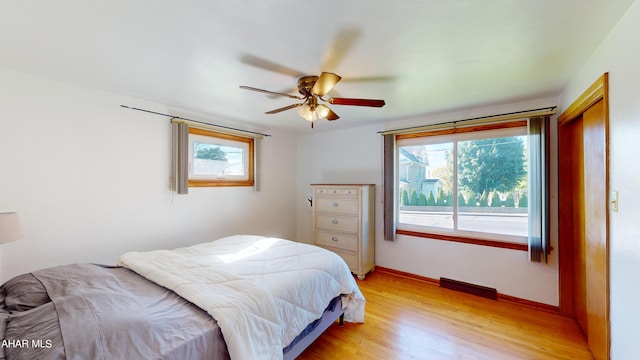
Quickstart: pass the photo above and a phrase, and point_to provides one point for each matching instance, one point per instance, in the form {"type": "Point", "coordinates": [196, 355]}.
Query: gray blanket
{"type": "Point", "coordinates": [84, 311]}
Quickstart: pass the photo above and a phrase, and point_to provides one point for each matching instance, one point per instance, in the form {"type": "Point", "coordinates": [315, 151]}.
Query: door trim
{"type": "Point", "coordinates": [597, 91]}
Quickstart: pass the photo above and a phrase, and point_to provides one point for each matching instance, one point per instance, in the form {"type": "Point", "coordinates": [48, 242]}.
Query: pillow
{"type": "Point", "coordinates": [23, 292]}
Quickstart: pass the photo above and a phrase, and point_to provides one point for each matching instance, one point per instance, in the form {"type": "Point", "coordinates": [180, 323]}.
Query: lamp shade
{"type": "Point", "coordinates": [10, 229]}
{"type": "Point", "coordinates": [313, 113]}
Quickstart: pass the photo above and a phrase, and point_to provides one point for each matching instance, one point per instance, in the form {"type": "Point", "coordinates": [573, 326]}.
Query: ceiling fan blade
{"type": "Point", "coordinates": [292, 106]}
{"type": "Point", "coordinates": [270, 92]}
{"type": "Point", "coordinates": [325, 82]}
{"type": "Point", "coordinates": [264, 64]}
{"type": "Point", "coordinates": [332, 116]}
{"type": "Point", "coordinates": [356, 102]}
{"type": "Point", "coordinates": [285, 91]}
{"type": "Point", "coordinates": [368, 79]}
{"type": "Point", "coordinates": [344, 41]}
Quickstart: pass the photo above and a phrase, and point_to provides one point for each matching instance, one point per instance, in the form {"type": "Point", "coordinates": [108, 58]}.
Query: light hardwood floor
{"type": "Point", "coordinates": [407, 318]}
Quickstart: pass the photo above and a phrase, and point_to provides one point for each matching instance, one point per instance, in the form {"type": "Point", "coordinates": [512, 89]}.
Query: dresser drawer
{"type": "Point", "coordinates": [338, 223]}
{"type": "Point", "coordinates": [350, 192]}
{"type": "Point", "coordinates": [342, 241]}
{"type": "Point", "coordinates": [337, 205]}
{"type": "Point", "coordinates": [350, 258]}
{"type": "Point", "coordinates": [338, 191]}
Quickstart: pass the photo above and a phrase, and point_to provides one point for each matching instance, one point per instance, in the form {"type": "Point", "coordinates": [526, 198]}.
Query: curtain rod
{"type": "Point", "coordinates": [195, 121]}
{"type": "Point", "coordinates": [481, 119]}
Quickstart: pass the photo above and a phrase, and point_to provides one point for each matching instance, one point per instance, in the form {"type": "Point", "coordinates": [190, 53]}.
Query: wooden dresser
{"type": "Point", "coordinates": [343, 222]}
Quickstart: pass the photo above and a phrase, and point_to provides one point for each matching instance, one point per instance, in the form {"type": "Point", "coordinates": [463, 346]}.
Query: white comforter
{"type": "Point", "coordinates": [262, 291]}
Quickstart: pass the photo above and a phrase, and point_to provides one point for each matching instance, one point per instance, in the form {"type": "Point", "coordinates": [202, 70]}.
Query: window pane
{"type": "Point", "coordinates": [492, 178]}
{"type": "Point", "coordinates": [426, 179]}
{"type": "Point", "coordinates": [217, 160]}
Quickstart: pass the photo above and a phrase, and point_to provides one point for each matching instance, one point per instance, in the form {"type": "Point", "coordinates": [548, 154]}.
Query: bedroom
{"type": "Point", "coordinates": [90, 179]}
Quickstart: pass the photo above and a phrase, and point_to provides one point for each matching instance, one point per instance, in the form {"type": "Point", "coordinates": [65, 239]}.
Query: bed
{"type": "Point", "coordinates": [239, 297]}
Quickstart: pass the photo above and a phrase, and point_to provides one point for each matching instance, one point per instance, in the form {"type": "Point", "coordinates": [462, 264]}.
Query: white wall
{"type": "Point", "coordinates": [89, 179]}
{"type": "Point", "coordinates": [355, 156]}
{"type": "Point", "coordinates": [619, 55]}
{"type": "Point", "coordinates": [348, 156]}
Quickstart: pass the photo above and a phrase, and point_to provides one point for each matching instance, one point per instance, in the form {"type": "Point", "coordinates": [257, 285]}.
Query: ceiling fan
{"type": "Point", "coordinates": [312, 90]}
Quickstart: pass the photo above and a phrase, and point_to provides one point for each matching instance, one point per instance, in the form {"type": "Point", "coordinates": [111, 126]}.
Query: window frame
{"type": "Point", "coordinates": [462, 236]}
{"type": "Point", "coordinates": [248, 162]}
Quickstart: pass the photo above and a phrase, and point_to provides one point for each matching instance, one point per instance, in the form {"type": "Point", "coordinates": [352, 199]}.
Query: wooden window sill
{"type": "Point", "coordinates": [467, 240]}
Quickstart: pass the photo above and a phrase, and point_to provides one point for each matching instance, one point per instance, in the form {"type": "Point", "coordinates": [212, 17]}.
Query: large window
{"type": "Point", "coordinates": [482, 181]}
{"type": "Point", "coordinates": [467, 184]}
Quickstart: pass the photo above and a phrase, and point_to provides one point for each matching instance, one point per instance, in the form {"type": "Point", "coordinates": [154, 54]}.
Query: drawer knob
{"type": "Point", "coordinates": [335, 238]}
{"type": "Point", "coordinates": [335, 204]}
{"type": "Point", "coordinates": [335, 222]}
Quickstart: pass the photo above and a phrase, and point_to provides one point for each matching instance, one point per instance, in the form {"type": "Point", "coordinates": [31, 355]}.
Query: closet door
{"type": "Point", "coordinates": [595, 231]}
{"type": "Point", "coordinates": [583, 221]}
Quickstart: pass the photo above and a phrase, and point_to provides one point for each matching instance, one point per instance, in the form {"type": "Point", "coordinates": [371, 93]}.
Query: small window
{"type": "Point", "coordinates": [217, 159]}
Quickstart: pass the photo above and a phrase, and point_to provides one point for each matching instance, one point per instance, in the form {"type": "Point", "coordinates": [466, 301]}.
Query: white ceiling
{"type": "Point", "coordinates": [420, 56]}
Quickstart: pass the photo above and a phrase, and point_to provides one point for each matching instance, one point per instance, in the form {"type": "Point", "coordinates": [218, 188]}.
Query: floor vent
{"type": "Point", "coordinates": [472, 289]}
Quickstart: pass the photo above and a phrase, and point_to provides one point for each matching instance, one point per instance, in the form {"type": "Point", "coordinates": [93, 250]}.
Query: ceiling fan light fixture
{"type": "Point", "coordinates": [306, 113]}
{"type": "Point", "coordinates": [309, 114]}
{"type": "Point", "coordinates": [322, 111]}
